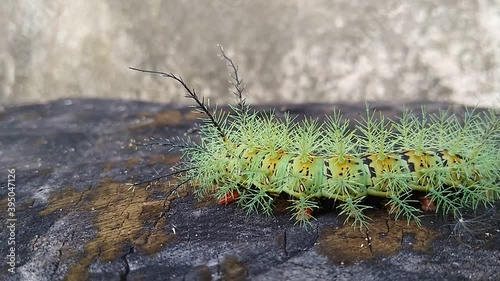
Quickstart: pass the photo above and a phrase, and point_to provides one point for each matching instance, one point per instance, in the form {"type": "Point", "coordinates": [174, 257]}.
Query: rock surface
{"type": "Point", "coordinates": [78, 220]}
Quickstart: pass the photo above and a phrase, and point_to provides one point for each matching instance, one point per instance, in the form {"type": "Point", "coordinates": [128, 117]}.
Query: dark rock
{"type": "Point", "coordinates": [78, 220]}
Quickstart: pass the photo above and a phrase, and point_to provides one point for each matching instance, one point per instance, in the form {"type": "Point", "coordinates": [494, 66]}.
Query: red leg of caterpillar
{"type": "Point", "coordinates": [427, 204]}
{"type": "Point", "coordinates": [392, 207]}
{"type": "Point", "coordinates": [306, 215]}
{"type": "Point", "coordinates": [229, 197]}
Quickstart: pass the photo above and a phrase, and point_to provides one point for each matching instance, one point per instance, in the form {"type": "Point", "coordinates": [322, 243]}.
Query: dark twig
{"type": "Point", "coordinates": [191, 94]}
{"type": "Point", "coordinates": [133, 185]}
{"type": "Point", "coordinates": [171, 144]}
{"type": "Point", "coordinates": [177, 186]}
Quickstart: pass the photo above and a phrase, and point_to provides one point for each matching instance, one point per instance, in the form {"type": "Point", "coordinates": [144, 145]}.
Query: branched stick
{"type": "Point", "coordinates": [171, 144]}
{"type": "Point", "coordinates": [237, 83]}
{"type": "Point", "coordinates": [133, 185]}
{"type": "Point", "coordinates": [191, 94]}
{"type": "Point", "coordinates": [177, 186]}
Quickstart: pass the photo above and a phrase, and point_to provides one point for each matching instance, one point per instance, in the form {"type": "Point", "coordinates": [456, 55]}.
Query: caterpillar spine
{"type": "Point", "coordinates": [248, 158]}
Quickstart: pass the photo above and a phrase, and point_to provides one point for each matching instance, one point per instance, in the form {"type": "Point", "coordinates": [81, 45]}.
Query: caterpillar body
{"type": "Point", "coordinates": [250, 158]}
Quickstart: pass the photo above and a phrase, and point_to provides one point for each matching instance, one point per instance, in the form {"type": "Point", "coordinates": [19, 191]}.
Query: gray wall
{"type": "Point", "coordinates": [288, 51]}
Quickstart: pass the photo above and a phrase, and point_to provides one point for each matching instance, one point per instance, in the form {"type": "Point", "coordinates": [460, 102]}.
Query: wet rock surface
{"type": "Point", "coordinates": [77, 218]}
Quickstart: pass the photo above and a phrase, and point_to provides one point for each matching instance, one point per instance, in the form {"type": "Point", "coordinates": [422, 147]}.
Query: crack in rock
{"type": "Point", "coordinates": [124, 275]}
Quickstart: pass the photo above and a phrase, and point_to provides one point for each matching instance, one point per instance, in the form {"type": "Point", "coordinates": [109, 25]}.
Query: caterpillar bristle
{"type": "Point", "coordinates": [201, 106]}
{"type": "Point", "coordinates": [353, 209]}
{"type": "Point", "coordinates": [302, 209]}
{"type": "Point", "coordinates": [248, 157]}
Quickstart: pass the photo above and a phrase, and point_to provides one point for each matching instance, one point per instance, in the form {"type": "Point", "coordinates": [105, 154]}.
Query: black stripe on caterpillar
{"type": "Point", "coordinates": [249, 158]}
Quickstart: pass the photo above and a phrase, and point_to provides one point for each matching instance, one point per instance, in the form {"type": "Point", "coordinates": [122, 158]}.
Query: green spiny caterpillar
{"type": "Point", "coordinates": [450, 162]}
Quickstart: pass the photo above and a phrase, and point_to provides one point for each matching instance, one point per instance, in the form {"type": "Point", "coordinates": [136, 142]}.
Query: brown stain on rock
{"type": "Point", "coordinates": [168, 159]}
{"type": "Point", "coordinates": [40, 142]}
{"type": "Point", "coordinates": [29, 116]}
{"type": "Point", "coordinates": [159, 119]}
{"type": "Point", "coordinates": [192, 115]}
{"type": "Point", "coordinates": [385, 237]}
{"type": "Point", "coordinates": [233, 269]}
{"type": "Point", "coordinates": [132, 162]}
{"type": "Point", "coordinates": [205, 201]}
{"type": "Point", "coordinates": [171, 117]}
{"type": "Point", "coordinates": [4, 204]}
{"type": "Point", "coordinates": [200, 273]}
{"type": "Point", "coordinates": [124, 219]}
{"type": "Point", "coordinates": [108, 166]}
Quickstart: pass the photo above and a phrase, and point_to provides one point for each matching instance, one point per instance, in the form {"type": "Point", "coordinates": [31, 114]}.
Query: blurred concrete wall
{"type": "Point", "coordinates": [287, 50]}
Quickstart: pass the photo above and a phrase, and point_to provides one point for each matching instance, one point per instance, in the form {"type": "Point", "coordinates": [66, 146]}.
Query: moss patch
{"type": "Point", "coordinates": [385, 237]}
{"type": "Point", "coordinates": [123, 218]}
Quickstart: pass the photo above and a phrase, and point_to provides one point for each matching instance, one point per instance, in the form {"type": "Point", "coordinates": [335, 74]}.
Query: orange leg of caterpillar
{"type": "Point", "coordinates": [306, 214]}
{"type": "Point", "coordinates": [427, 204]}
{"type": "Point", "coordinates": [229, 197]}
